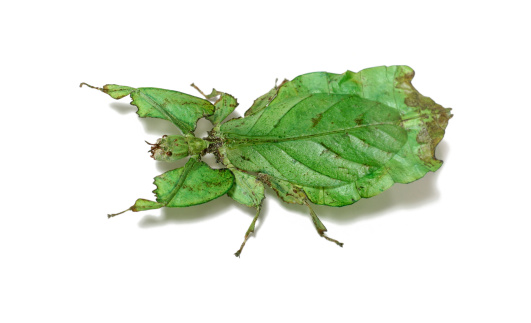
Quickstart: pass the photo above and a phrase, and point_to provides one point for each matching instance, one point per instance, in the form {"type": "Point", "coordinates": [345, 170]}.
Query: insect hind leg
{"type": "Point", "coordinates": [319, 226]}
{"type": "Point", "coordinates": [249, 231]}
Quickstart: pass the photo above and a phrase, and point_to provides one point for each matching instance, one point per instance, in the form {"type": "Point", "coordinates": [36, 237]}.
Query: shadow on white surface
{"type": "Point", "coordinates": [122, 107]}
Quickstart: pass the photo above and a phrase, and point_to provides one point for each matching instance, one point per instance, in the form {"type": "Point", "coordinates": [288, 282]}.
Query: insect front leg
{"type": "Point", "coordinates": [210, 96]}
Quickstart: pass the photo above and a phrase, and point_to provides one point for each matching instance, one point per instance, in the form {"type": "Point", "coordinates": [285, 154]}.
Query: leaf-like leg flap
{"type": "Point", "coordinates": [249, 191]}
{"type": "Point", "coordinates": [249, 231]}
{"type": "Point", "coordinates": [181, 109]}
{"type": "Point", "coordinates": [319, 226]}
{"type": "Point", "coordinates": [223, 106]}
{"type": "Point", "coordinates": [193, 184]}
{"type": "Point", "coordinates": [210, 96]}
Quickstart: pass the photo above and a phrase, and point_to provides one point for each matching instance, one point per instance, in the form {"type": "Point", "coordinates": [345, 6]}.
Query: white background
{"type": "Point", "coordinates": [451, 247]}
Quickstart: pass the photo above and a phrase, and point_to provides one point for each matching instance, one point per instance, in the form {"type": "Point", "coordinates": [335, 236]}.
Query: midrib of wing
{"type": "Point", "coordinates": [252, 140]}
{"type": "Point", "coordinates": [313, 163]}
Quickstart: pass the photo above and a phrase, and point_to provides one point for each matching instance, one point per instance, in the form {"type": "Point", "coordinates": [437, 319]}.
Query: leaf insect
{"type": "Point", "coordinates": [322, 138]}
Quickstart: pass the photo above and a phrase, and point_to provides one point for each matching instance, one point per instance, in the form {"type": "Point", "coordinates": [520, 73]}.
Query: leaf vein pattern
{"type": "Point", "coordinates": [161, 110]}
{"type": "Point", "coordinates": [266, 139]}
{"type": "Point", "coordinates": [288, 111]}
{"type": "Point", "coordinates": [394, 90]}
{"type": "Point", "coordinates": [344, 96]}
{"type": "Point", "coordinates": [369, 145]}
{"type": "Point", "coordinates": [282, 174]}
{"type": "Point", "coordinates": [267, 160]}
{"type": "Point", "coordinates": [339, 154]}
{"type": "Point", "coordinates": [389, 136]}
{"type": "Point", "coordinates": [261, 113]}
{"type": "Point", "coordinates": [305, 165]}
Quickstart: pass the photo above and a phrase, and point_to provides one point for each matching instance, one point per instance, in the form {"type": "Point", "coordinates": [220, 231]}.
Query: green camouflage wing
{"type": "Point", "coordinates": [340, 137]}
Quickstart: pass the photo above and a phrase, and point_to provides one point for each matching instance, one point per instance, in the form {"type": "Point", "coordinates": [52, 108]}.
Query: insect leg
{"type": "Point", "coordinates": [319, 226]}
{"type": "Point", "coordinates": [249, 231]}
{"type": "Point", "coordinates": [210, 96]}
{"type": "Point", "coordinates": [115, 214]}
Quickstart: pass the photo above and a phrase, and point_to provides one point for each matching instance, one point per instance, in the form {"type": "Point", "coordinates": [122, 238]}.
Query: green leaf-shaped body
{"type": "Point", "coordinates": [340, 136]}
{"type": "Point", "coordinates": [325, 138]}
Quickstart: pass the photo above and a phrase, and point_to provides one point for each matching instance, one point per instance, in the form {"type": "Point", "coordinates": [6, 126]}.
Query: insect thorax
{"type": "Point", "coordinates": [175, 147]}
